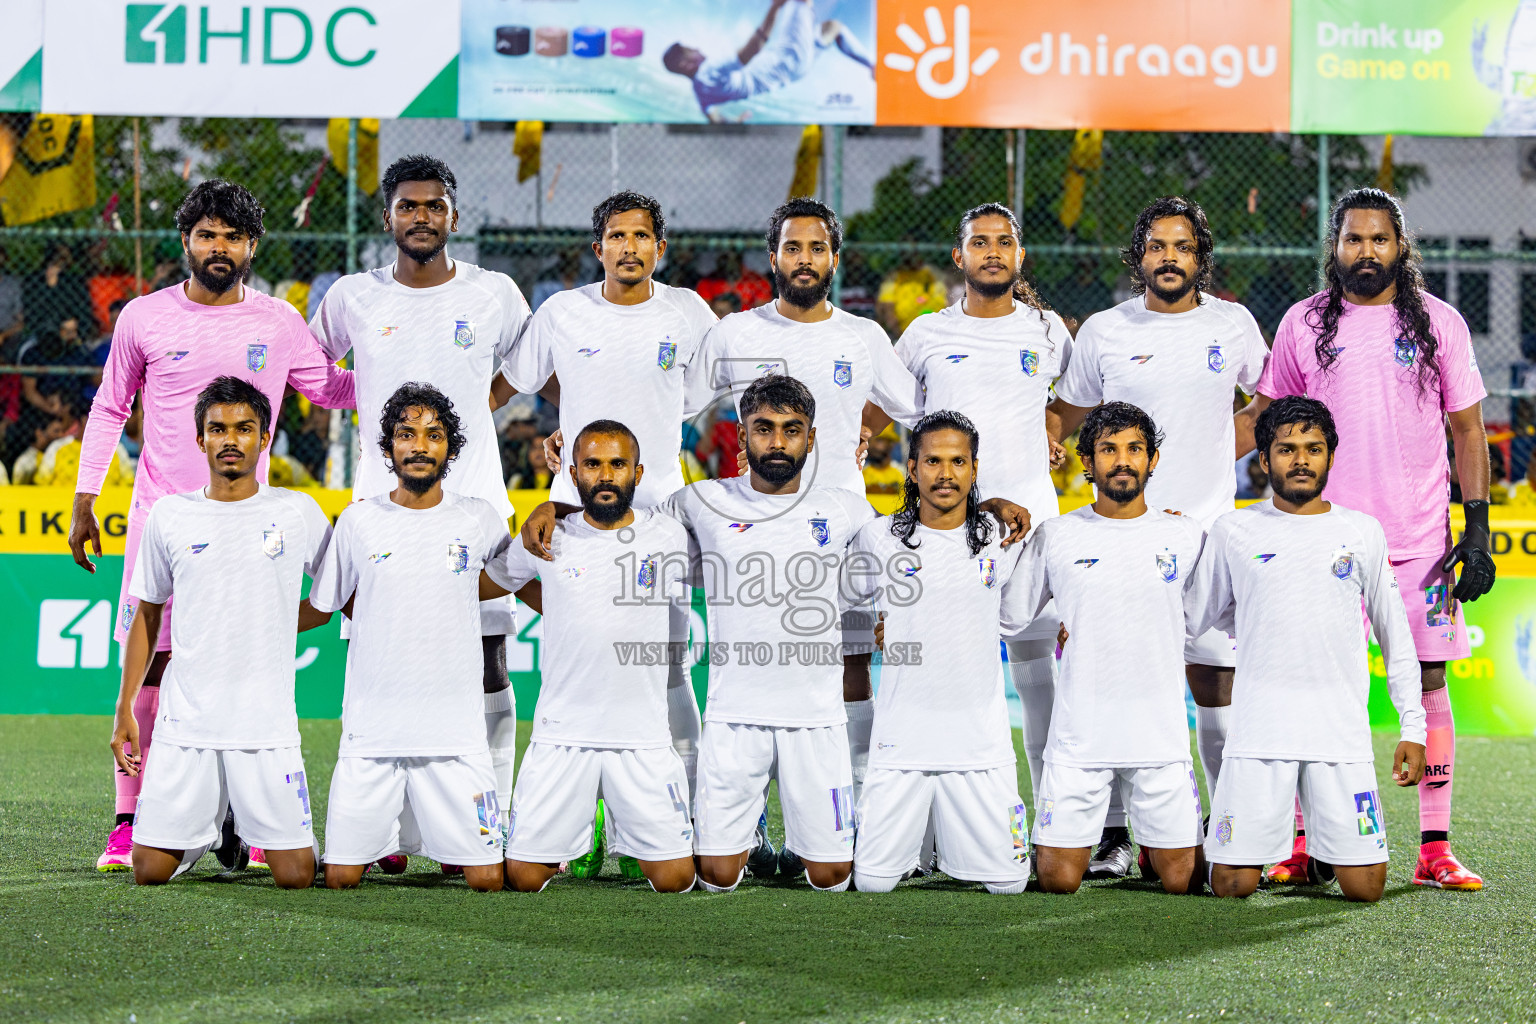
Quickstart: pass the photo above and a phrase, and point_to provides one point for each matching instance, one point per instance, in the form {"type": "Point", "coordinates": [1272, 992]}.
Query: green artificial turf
{"type": "Point", "coordinates": [78, 945]}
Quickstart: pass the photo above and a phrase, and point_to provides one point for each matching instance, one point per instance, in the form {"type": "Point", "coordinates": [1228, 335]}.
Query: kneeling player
{"type": "Point", "coordinates": [1291, 573]}
{"type": "Point", "coordinates": [1114, 568]}
{"type": "Point", "coordinates": [228, 734]}
{"type": "Point", "coordinates": [941, 744]}
{"type": "Point", "coordinates": [414, 773]}
{"type": "Point", "coordinates": [600, 726]}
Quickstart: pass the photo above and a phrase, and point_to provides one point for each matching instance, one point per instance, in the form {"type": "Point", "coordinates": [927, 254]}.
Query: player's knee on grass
{"type": "Point", "coordinates": [874, 883]}
{"type": "Point", "coordinates": [1234, 882]}
{"type": "Point", "coordinates": [669, 875]}
{"type": "Point", "coordinates": [343, 876]}
{"type": "Point", "coordinates": [483, 877]}
{"type": "Point", "coordinates": [292, 869]}
{"type": "Point", "coordinates": [525, 877]}
{"type": "Point", "coordinates": [1362, 883]}
{"type": "Point", "coordinates": [154, 866]}
{"type": "Point", "coordinates": [1176, 869]}
{"type": "Point", "coordinates": [723, 872]}
{"type": "Point", "coordinates": [1060, 870]}
{"type": "Point", "coordinates": [827, 876]}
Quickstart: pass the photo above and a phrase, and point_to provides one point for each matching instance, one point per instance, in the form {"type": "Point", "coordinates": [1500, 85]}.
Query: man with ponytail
{"type": "Point", "coordinates": [1395, 365]}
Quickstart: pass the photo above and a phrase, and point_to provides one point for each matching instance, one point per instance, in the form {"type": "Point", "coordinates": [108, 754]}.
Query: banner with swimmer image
{"type": "Point", "coordinates": [679, 61]}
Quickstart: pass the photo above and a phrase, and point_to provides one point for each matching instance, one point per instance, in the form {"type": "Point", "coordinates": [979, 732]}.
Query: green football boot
{"type": "Point", "coordinates": [590, 864]}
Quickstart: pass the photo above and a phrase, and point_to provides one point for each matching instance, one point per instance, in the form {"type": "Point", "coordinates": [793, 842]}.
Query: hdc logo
{"type": "Point", "coordinates": [158, 34]}
{"type": "Point", "coordinates": [74, 633]}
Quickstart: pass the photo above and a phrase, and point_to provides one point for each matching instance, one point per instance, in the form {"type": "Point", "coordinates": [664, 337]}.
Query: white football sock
{"type": "Point", "coordinates": [1007, 888]}
{"type": "Point", "coordinates": [1114, 817]}
{"type": "Point", "coordinates": [861, 719]}
{"type": "Point", "coordinates": [839, 887]}
{"type": "Point", "coordinates": [1032, 663]}
{"type": "Point", "coordinates": [874, 883]}
{"type": "Point", "coordinates": [683, 722]}
{"type": "Point", "coordinates": [1211, 740]}
{"type": "Point", "coordinates": [501, 735]}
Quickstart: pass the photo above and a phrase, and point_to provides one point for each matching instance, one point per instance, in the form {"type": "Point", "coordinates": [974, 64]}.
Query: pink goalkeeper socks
{"type": "Point", "coordinates": [146, 708]}
{"type": "Point", "coordinates": [1440, 751]}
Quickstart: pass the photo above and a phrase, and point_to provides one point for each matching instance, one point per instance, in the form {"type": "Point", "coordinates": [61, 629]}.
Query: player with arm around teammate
{"type": "Point", "coordinates": [1292, 573]}
{"type": "Point", "coordinates": [235, 551]}
{"type": "Point", "coordinates": [1117, 571]}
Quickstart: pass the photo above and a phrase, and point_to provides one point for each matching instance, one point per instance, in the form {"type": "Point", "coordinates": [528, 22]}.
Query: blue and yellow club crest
{"type": "Point", "coordinates": [842, 373]}
{"type": "Point", "coordinates": [458, 557]}
{"type": "Point", "coordinates": [646, 577]}
{"type": "Point", "coordinates": [1214, 359]}
{"type": "Point", "coordinates": [666, 354]}
{"type": "Point", "coordinates": [988, 568]}
{"type": "Point", "coordinates": [819, 532]}
{"type": "Point", "coordinates": [256, 357]}
{"type": "Point", "coordinates": [1029, 361]}
{"type": "Point", "coordinates": [463, 334]}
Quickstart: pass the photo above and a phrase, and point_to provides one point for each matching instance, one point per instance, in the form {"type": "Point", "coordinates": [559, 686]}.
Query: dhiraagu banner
{"type": "Point", "coordinates": [1417, 67]}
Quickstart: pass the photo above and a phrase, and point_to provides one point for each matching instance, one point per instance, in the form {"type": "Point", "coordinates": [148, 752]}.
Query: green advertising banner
{"type": "Point", "coordinates": [1417, 67]}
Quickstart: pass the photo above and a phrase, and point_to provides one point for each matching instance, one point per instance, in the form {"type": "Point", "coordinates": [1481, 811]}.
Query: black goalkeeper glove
{"type": "Point", "coordinates": [1474, 554]}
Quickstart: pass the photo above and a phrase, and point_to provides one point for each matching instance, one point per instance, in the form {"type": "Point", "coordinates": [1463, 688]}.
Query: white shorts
{"type": "Point", "coordinates": [1253, 812]}
{"type": "Point", "coordinates": [978, 823]}
{"type": "Point", "coordinates": [645, 793]}
{"type": "Point", "coordinates": [815, 789]}
{"type": "Point", "coordinates": [1213, 647]}
{"type": "Point", "coordinates": [496, 618]}
{"type": "Point", "coordinates": [443, 808]}
{"type": "Point", "coordinates": [1162, 802]}
{"type": "Point", "coordinates": [187, 791]}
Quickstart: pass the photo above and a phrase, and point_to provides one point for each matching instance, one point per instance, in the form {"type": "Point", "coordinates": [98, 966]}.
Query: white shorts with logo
{"type": "Point", "coordinates": [815, 789]}
{"type": "Point", "coordinates": [1213, 647]}
{"type": "Point", "coordinates": [443, 808]}
{"type": "Point", "coordinates": [978, 823]}
{"type": "Point", "coordinates": [645, 793]}
{"type": "Point", "coordinates": [1253, 812]}
{"type": "Point", "coordinates": [1161, 801]}
{"type": "Point", "coordinates": [188, 790]}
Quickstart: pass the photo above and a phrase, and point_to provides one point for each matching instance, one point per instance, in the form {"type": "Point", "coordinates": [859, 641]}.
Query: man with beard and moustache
{"type": "Point", "coordinates": [1180, 354]}
{"type": "Point", "coordinates": [1396, 365]}
{"type": "Point", "coordinates": [1291, 574]}
{"type": "Point", "coordinates": [428, 317]}
{"type": "Point", "coordinates": [414, 773]}
{"type": "Point", "coordinates": [609, 637]}
{"type": "Point", "coordinates": [993, 357]}
{"type": "Point", "coordinates": [625, 348]}
{"type": "Point", "coordinates": [170, 344]}
{"type": "Point", "coordinates": [942, 749]}
{"type": "Point", "coordinates": [1116, 570]}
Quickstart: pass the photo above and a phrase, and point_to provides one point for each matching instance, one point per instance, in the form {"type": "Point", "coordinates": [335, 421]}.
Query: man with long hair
{"type": "Point", "coordinates": [1395, 365]}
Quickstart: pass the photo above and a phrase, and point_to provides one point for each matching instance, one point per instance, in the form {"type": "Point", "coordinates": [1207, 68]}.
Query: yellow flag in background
{"type": "Point", "coordinates": [807, 163]}
{"type": "Point", "coordinates": [367, 150]}
{"type": "Point", "coordinates": [1384, 173]}
{"type": "Point", "coordinates": [528, 147]}
{"type": "Point", "coordinates": [53, 172]}
{"type": "Point", "coordinates": [1087, 154]}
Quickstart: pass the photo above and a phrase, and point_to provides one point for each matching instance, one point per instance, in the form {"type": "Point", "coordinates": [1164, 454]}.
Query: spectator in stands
{"type": "Point", "coordinates": [170, 267]}
{"type": "Point", "coordinates": [882, 473]}
{"type": "Point", "coordinates": [909, 291]}
{"type": "Point", "coordinates": [1252, 481]}
{"type": "Point", "coordinates": [111, 287]}
{"type": "Point", "coordinates": [1069, 478]}
{"type": "Point", "coordinates": [566, 275]}
{"type": "Point", "coordinates": [725, 304]}
{"type": "Point", "coordinates": [720, 444]}
{"type": "Point", "coordinates": [533, 472]}
{"type": "Point", "coordinates": [44, 435]}
{"type": "Point", "coordinates": [60, 464]}
{"type": "Point", "coordinates": [52, 392]}
{"type": "Point", "coordinates": [55, 294]}
{"type": "Point", "coordinates": [731, 275]}
{"type": "Point", "coordinates": [308, 443]}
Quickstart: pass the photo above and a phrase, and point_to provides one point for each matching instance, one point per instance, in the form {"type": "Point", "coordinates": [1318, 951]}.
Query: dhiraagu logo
{"type": "Point", "coordinates": [163, 34]}
{"type": "Point", "coordinates": [940, 46]}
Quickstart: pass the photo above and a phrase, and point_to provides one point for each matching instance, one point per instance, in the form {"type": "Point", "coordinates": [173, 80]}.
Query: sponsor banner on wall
{"type": "Point", "coordinates": [297, 58]}
{"type": "Point", "coordinates": [679, 61]}
{"type": "Point", "coordinates": [1193, 65]}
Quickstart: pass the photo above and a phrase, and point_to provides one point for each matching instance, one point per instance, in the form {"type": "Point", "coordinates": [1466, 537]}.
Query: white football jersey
{"type": "Point", "coordinates": [769, 564]}
{"type": "Point", "coordinates": [453, 336]}
{"type": "Point", "coordinates": [1119, 589]}
{"type": "Point", "coordinates": [997, 371]}
{"type": "Point", "coordinates": [1292, 587]}
{"type": "Point", "coordinates": [415, 662]}
{"type": "Point", "coordinates": [1181, 369]}
{"type": "Point", "coordinates": [635, 364]}
{"type": "Point", "coordinates": [603, 657]}
{"type": "Point", "coordinates": [941, 705]}
{"type": "Point", "coordinates": [229, 685]}
{"type": "Point", "coordinates": [845, 362]}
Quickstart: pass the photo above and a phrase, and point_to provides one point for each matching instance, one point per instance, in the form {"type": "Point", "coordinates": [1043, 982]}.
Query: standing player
{"type": "Point", "coordinates": [428, 317]}
{"type": "Point", "coordinates": [1115, 569]}
{"type": "Point", "coordinates": [170, 344]}
{"type": "Point", "coordinates": [601, 721]}
{"type": "Point", "coordinates": [993, 357]}
{"type": "Point", "coordinates": [414, 773]}
{"type": "Point", "coordinates": [626, 349]}
{"type": "Point", "coordinates": [229, 734]}
{"type": "Point", "coordinates": [1396, 364]}
{"type": "Point", "coordinates": [1290, 574]}
{"type": "Point", "coordinates": [1180, 354]}
{"type": "Point", "coordinates": [942, 748]}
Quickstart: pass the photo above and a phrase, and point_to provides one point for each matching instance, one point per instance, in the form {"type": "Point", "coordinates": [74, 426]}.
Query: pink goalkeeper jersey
{"type": "Point", "coordinates": [1391, 460]}
{"type": "Point", "coordinates": [173, 348]}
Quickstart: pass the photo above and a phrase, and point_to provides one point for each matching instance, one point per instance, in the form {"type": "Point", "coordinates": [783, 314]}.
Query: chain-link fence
{"type": "Point", "coordinates": [901, 191]}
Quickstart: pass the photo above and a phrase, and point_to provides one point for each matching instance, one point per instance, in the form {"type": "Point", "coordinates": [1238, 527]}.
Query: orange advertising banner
{"type": "Point", "coordinates": [1181, 65]}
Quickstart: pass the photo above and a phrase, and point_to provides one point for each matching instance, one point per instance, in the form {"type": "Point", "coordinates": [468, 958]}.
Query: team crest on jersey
{"type": "Point", "coordinates": [646, 578]}
{"type": "Point", "coordinates": [1016, 830]}
{"type": "Point", "coordinates": [463, 334]}
{"type": "Point", "coordinates": [1214, 359]}
{"type": "Point", "coordinates": [458, 557]}
{"type": "Point", "coordinates": [666, 354]}
{"type": "Point", "coordinates": [988, 568]}
{"type": "Point", "coordinates": [1029, 361]}
{"type": "Point", "coordinates": [256, 357]}
{"type": "Point", "coordinates": [819, 532]}
{"type": "Point", "coordinates": [197, 549]}
{"type": "Point", "coordinates": [1368, 813]}
{"type": "Point", "coordinates": [1344, 565]}
{"type": "Point", "coordinates": [272, 542]}
{"type": "Point", "coordinates": [842, 373]}
{"type": "Point", "coordinates": [1168, 565]}
{"type": "Point", "coordinates": [1224, 830]}
{"type": "Point", "coordinates": [957, 357]}
{"type": "Point", "coordinates": [1403, 351]}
